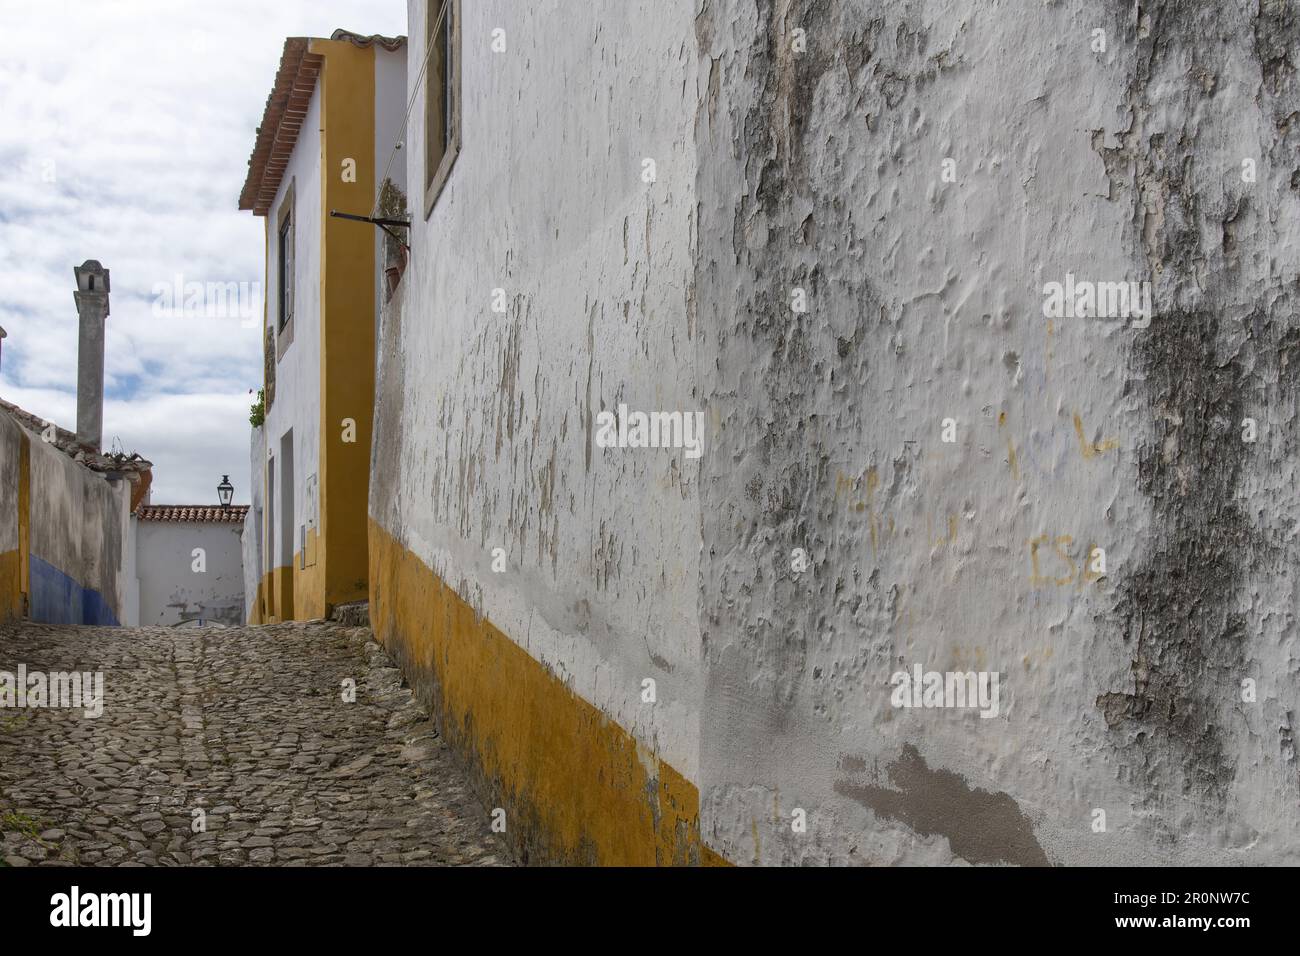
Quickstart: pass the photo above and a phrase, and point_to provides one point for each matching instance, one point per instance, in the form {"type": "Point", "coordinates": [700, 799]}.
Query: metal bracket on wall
{"type": "Point", "coordinates": [383, 224]}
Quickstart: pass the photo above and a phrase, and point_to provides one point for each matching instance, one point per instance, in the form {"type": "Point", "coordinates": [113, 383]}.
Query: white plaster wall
{"type": "Point", "coordinates": [823, 171]}
{"type": "Point", "coordinates": [10, 472]}
{"type": "Point", "coordinates": [171, 590]}
{"type": "Point", "coordinates": [496, 448]}
{"type": "Point", "coordinates": [78, 523]}
{"type": "Point", "coordinates": [390, 111]}
{"type": "Point", "coordinates": [251, 535]}
{"type": "Point", "coordinates": [297, 383]}
{"type": "Point", "coordinates": [129, 580]}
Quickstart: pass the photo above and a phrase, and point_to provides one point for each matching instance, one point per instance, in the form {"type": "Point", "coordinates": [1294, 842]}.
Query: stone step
{"type": "Point", "coordinates": [352, 614]}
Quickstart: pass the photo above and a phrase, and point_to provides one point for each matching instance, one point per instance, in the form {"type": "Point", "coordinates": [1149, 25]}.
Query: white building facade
{"type": "Point", "coordinates": [332, 103]}
{"type": "Point", "coordinates": [188, 565]}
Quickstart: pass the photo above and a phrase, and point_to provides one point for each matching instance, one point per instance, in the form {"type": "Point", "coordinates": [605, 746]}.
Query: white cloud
{"type": "Point", "coordinates": [145, 115]}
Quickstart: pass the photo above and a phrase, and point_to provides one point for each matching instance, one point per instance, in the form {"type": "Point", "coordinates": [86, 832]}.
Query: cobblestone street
{"type": "Point", "coordinates": [247, 725]}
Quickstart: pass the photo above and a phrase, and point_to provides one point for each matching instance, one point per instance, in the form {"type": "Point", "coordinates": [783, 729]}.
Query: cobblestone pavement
{"type": "Point", "coordinates": [248, 725]}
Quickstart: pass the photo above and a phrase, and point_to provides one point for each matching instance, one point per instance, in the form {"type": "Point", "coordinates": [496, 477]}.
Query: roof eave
{"type": "Point", "coordinates": [282, 119]}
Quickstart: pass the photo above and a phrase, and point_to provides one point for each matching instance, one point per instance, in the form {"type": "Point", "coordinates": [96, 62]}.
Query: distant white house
{"type": "Point", "coordinates": [188, 565]}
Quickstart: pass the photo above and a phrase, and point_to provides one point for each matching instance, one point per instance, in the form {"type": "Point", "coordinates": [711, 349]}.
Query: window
{"type": "Point", "coordinates": [285, 258]}
{"type": "Point", "coordinates": [441, 95]}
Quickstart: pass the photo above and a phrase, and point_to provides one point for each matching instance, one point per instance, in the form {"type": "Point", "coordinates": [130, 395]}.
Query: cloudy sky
{"type": "Point", "coordinates": [126, 135]}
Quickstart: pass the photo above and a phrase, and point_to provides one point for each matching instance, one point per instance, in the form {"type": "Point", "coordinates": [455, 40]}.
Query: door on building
{"type": "Point", "coordinates": [284, 555]}
{"type": "Point", "coordinates": [268, 529]}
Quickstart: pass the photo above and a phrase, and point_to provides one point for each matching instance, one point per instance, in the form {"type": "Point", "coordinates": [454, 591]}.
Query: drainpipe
{"type": "Point", "coordinates": [92, 309]}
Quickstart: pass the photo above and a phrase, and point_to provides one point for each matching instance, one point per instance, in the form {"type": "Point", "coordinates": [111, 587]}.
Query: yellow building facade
{"type": "Point", "coordinates": [319, 149]}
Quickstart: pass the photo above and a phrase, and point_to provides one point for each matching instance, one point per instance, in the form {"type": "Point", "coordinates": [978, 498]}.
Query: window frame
{"type": "Point", "coordinates": [449, 92]}
{"type": "Point", "coordinates": [286, 268]}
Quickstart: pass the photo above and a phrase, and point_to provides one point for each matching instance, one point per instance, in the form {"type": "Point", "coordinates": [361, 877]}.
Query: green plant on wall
{"type": "Point", "coordinates": [257, 414]}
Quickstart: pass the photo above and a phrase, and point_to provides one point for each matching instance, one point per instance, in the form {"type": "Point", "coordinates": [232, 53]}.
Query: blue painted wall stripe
{"type": "Point", "coordinates": [58, 599]}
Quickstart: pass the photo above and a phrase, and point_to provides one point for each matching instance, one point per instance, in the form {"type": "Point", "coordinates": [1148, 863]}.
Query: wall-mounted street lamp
{"type": "Point", "coordinates": [225, 491]}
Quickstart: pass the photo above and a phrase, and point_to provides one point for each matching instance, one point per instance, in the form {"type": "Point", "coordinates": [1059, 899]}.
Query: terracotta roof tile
{"type": "Point", "coordinates": [375, 39]}
{"type": "Point", "coordinates": [281, 121]}
{"type": "Point", "coordinates": [207, 513]}
{"type": "Point", "coordinates": [286, 108]}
